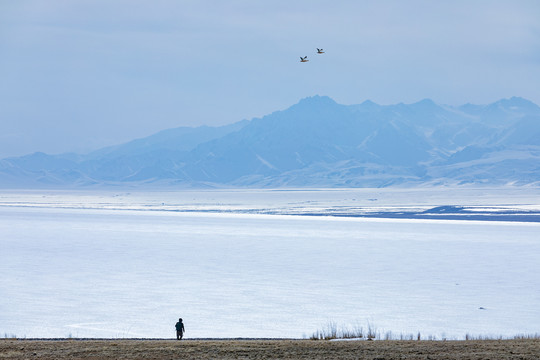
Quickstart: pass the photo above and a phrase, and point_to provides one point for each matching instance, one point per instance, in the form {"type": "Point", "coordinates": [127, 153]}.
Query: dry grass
{"type": "Point", "coordinates": [524, 349]}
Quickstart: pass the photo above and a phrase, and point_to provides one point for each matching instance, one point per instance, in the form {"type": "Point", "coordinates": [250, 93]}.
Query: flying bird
{"type": "Point", "coordinates": [320, 51]}
{"type": "Point", "coordinates": [304, 59]}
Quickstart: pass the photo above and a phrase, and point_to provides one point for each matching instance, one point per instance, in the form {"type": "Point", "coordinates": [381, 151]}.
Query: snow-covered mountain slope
{"type": "Point", "coordinates": [316, 142]}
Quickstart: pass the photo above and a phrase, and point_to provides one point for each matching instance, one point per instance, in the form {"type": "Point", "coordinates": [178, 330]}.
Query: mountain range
{"type": "Point", "coordinates": [315, 143]}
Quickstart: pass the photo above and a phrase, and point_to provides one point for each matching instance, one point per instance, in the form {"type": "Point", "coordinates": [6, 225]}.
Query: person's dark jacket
{"type": "Point", "coordinates": [179, 326]}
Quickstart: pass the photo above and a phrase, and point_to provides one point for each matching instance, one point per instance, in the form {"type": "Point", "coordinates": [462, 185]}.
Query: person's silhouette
{"type": "Point", "coordinates": [179, 329]}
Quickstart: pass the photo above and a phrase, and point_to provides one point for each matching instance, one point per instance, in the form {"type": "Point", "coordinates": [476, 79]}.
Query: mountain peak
{"type": "Point", "coordinates": [317, 100]}
{"type": "Point", "coordinates": [367, 106]}
{"type": "Point", "coordinates": [424, 103]}
{"type": "Point", "coordinates": [516, 102]}
{"type": "Point", "coordinates": [369, 103]}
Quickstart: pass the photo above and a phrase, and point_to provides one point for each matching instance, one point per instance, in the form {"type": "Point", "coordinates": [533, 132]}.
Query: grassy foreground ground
{"type": "Point", "coordinates": [268, 349]}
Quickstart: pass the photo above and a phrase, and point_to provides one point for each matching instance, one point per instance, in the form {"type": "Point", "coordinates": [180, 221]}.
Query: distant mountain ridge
{"type": "Point", "coordinates": [316, 143]}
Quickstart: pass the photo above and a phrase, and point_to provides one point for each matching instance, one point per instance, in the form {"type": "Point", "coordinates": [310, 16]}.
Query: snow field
{"type": "Point", "coordinates": [124, 273]}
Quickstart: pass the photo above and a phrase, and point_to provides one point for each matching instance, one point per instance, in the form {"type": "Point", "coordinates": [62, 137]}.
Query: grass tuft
{"type": "Point", "coordinates": [535, 336]}
{"type": "Point", "coordinates": [331, 332]}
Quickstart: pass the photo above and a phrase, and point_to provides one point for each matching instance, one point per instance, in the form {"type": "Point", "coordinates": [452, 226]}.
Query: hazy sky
{"type": "Point", "coordinates": [78, 75]}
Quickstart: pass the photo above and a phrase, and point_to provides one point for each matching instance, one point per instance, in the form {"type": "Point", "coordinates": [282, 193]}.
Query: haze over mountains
{"type": "Point", "coordinates": [315, 143]}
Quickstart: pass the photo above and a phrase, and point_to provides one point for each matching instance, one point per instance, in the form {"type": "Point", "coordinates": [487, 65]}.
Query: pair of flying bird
{"type": "Point", "coordinates": [304, 59]}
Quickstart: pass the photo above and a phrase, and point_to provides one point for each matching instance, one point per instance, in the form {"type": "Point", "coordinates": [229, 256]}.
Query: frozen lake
{"type": "Point", "coordinates": [127, 265]}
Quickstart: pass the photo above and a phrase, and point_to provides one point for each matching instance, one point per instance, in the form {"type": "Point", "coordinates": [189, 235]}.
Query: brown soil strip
{"type": "Point", "coordinates": [269, 349]}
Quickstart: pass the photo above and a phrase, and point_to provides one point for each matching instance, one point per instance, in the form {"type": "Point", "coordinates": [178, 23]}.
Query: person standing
{"type": "Point", "coordinates": [179, 329]}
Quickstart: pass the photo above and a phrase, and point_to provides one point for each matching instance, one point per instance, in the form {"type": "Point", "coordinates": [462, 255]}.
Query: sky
{"type": "Point", "coordinates": [76, 76]}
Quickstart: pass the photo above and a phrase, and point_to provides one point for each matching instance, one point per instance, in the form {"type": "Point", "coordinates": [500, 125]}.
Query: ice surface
{"type": "Point", "coordinates": [347, 202]}
{"type": "Point", "coordinates": [101, 265]}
